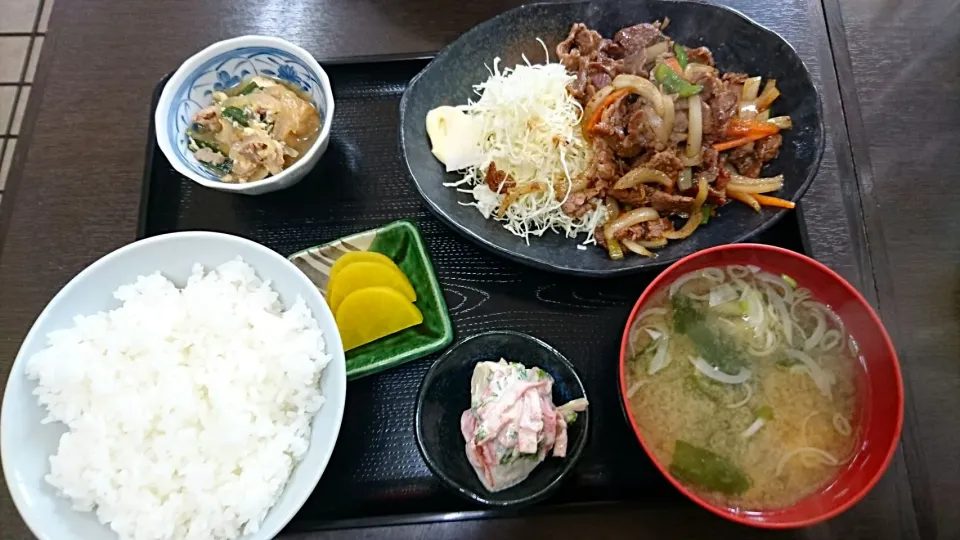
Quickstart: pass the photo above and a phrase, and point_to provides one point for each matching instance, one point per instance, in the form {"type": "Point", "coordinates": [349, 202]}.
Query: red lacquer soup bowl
{"type": "Point", "coordinates": [880, 387]}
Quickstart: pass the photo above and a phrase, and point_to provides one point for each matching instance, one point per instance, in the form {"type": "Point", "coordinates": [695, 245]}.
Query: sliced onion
{"type": "Point", "coordinates": [831, 338]}
{"type": "Point", "coordinates": [637, 248]}
{"type": "Point", "coordinates": [666, 127]}
{"type": "Point", "coordinates": [686, 179]}
{"type": "Point", "coordinates": [755, 314]}
{"type": "Point", "coordinates": [782, 122]}
{"type": "Point", "coordinates": [653, 333]}
{"type": "Point", "coordinates": [754, 428]}
{"type": "Point", "coordinates": [841, 424]}
{"type": "Point", "coordinates": [751, 88]}
{"type": "Point", "coordinates": [714, 274]}
{"type": "Point", "coordinates": [643, 175]}
{"type": "Point", "coordinates": [780, 308]}
{"type": "Point", "coordinates": [821, 377]}
{"type": "Point", "coordinates": [768, 96]}
{"type": "Point", "coordinates": [644, 87]}
{"type": "Point", "coordinates": [634, 387]}
{"type": "Point", "coordinates": [590, 110]}
{"type": "Point", "coordinates": [709, 371]}
{"type": "Point", "coordinates": [655, 243]}
{"type": "Point", "coordinates": [695, 126]}
{"type": "Point", "coordinates": [628, 219]}
{"type": "Point", "coordinates": [722, 294]}
{"type": "Point", "coordinates": [652, 311]}
{"type": "Point", "coordinates": [738, 271]}
{"type": "Point", "coordinates": [613, 208]}
{"type": "Point", "coordinates": [826, 457]}
{"type": "Point", "coordinates": [695, 215]}
{"type": "Point", "coordinates": [660, 359]}
{"type": "Point", "coordinates": [818, 332]}
{"type": "Point", "coordinates": [743, 184]}
{"type": "Point", "coordinates": [682, 280]}
{"type": "Point", "coordinates": [688, 161]}
{"type": "Point", "coordinates": [745, 400]}
{"type": "Point", "coordinates": [652, 52]}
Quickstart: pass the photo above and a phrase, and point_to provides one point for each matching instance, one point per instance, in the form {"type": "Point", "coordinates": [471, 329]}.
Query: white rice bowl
{"type": "Point", "coordinates": [189, 406]}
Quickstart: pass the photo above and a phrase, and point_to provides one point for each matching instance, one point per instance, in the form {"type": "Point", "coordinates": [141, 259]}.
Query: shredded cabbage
{"type": "Point", "coordinates": [530, 128]}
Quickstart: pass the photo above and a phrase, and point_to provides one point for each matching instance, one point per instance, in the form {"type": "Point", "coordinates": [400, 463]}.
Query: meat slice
{"type": "Point", "coordinates": [604, 163]}
{"type": "Point", "coordinates": [661, 201]}
{"type": "Point", "coordinates": [496, 178]}
{"type": "Point", "coordinates": [734, 77]}
{"type": "Point", "coordinates": [666, 162]}
{"type": "Point", "coordinates": [638, 37]}
{"type": "Point", "coordinates": [745, 161]}
{"type": "Point", "coordinates": [634, 197]}
{"type": "Point", "coordinates": [578, 204]}
{"type": "Point", "coordinates": [667, 203]}
{"type": "Point", "coordinates": [700, 55]}
{"type": "Point", "coordinates": [767, 148]}
{"type": "Point", "coordinates": [709, 167]}
{"type": "Point", "coordinates": [581, 42]}
{"type": "Point", "coordinates": [718, 103]}
{"type": "Point", "coordinates": [648, 230]}
{"type": "Point", "coordinates": [209, 156]}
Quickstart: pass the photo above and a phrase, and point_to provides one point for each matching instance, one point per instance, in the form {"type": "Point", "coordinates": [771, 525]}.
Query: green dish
{"type": "Point", "coordinates": [401, 241]}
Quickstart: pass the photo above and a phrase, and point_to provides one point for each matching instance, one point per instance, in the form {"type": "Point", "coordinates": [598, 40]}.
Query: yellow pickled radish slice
{"type": "Point", "coordinates": [360, 275]}
{"type": "Point", "coordinates": [371, 313]}
{"type": "Point", "coordinates": [359, 256]}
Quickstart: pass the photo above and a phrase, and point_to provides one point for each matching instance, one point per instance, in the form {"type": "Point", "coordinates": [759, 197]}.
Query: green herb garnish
{"type": "Point", "coordinates": [707, 470]}
{"type": "Point", "coordinates": [716, 349]}
{"type": "Point", "coordinates": [248, 89]}
{"type": "Point", "coordinates": [681, 55]}
{"type": "Point", "coordinates": [235, 114]}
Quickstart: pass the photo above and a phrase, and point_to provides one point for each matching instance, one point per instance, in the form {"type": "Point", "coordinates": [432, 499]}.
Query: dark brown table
{"type": "Point", "coordinates": [884, 203]}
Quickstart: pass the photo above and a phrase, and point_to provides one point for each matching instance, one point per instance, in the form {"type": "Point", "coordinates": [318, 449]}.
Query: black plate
{"type": "Point", "coordinates": [445, 393]}
{"type": "Point", "coordinates": [737, 43]}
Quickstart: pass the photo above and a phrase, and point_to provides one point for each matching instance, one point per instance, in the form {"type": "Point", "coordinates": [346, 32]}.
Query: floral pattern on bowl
{"type": "Point", "coordinates": [224, 71]}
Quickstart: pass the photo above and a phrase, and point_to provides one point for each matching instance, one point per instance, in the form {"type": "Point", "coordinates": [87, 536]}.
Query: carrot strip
{"type": "Point", "coordinates": [766, 200]}
{"type": "Point", "coordinates": [739, 127]}
{"type": "Point", "coordinates": [745, 198]}
{"type": "Point", "coordinates": [615, 95]}
{"type": "Point", "coordinates": [674, 65]}
{"type": "Point", "coordinates": [726, 145]}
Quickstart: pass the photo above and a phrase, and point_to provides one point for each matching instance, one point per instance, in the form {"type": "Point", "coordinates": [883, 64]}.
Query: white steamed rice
{"type": "Point", "coordinates": [187, 408]}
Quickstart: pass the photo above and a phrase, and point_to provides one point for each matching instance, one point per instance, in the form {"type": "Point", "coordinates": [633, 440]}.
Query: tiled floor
{"type": "Point", "coordinates": [22, 26]}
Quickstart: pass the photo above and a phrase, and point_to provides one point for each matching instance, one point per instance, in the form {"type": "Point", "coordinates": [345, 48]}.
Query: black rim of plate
{"type": "Point", "coordinates": [654, 263]}
{"type": "Point", "coordinates": [573, 456]}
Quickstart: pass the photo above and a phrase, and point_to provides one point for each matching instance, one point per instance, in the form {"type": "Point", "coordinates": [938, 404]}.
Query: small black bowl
{"type": "Point", "coordinates": [445, 394]}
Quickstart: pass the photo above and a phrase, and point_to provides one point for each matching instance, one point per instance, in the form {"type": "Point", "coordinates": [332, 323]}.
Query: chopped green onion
{"type": "Point", "coordinates": [790, 281]}
{"type": "Point", "coordinates": [235, 114]}
{"type": "Point", "coordinates": [614, 249]}
{"type": "Point", "coordinates": [707, 210]}
{"type": "Point", "coordinates": [675, 84]}
{"type": "Point", "coordinates": [681, 55]}
{"type": "Point", "coordinates": [744, 307]}
{"type": "Point", "coordinates": [248, 89]}
{"type": "Point", "coordinates": [201, 143]}
{"type": "Point", "coordinates": [765, 412]}
{"type": "Point", "coordinates": [221, 169]}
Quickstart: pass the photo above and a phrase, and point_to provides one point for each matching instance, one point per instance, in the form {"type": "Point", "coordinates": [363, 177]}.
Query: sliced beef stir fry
{"type": "Point", "coordinates": [669, 133]}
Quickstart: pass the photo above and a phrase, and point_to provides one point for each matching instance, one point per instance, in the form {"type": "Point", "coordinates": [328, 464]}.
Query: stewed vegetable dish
{"type": "Point", "coordinates": [254, 129]}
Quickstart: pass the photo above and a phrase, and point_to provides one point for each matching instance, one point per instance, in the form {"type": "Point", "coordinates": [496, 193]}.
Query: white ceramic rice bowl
{"type": "Point", "coordinates": [26, 444]}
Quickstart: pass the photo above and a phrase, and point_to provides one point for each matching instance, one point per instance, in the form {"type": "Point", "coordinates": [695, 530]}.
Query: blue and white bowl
{"type": "Point", "coordinates": [225, 64]}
